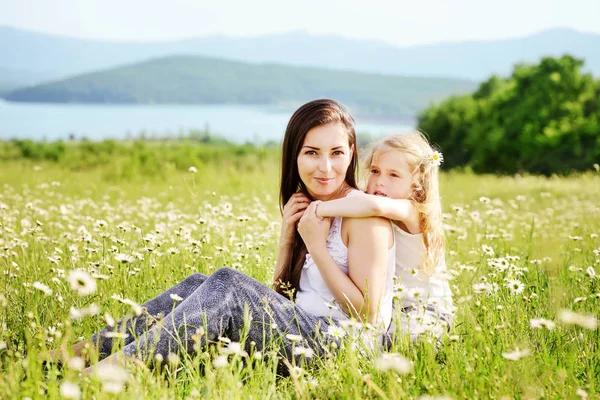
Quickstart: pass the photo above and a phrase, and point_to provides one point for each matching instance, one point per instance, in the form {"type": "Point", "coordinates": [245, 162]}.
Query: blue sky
{"type": "Point", "coordinates": [399, 22]}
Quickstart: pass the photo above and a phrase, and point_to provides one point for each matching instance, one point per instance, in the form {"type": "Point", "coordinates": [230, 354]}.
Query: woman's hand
{"type": "Point", "coordinates": [292, 211]}
{"type": "Point", "coordinates": [314, 230]}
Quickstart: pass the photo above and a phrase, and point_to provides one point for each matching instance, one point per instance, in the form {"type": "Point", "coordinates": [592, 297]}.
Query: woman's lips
{"type": "Point", "coordinates": [323, 181]}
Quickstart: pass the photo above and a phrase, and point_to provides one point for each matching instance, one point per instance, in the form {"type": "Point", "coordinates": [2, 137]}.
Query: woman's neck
{"type": "Point", "coordinates": [338, 194]}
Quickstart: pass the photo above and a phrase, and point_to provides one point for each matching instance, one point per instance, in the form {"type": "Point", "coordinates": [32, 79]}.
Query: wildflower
{"type": "Point", "coordinates": [416, 293]}
{"type": "Point", "coordinates": [234, 348]}
{"type": "Point", "coordinates": [136, 308]}
{"type": "Point", "coordinates": [335, 331]}
{"type": "Point", "coordinates": [92, 309]}
{"type": "Point", "coordinates": [394, 362]}
{"type": "Point", "coordinates": [580, 392]}
{"type": "Point", "coordinates": [293, 338]}
{"type": "Point", "coordinates": [435, 158]}
{"type": "Point", "coordinates": [303, 351]}
{"type": "Point", "coordinates": [542, 323]}
{"type": "Point", "coordinates": [591, 272]}
{"type": "Point", "coordinates": [40, 286]}
{"type": "Point", "coordinates": [173, 359]}
{"type": "Point", "coordinates": [175, 297]}
{"type": "Point", "coordinates": [484, 200]}
{"type": "Point", "coordinates": [193, 170]}
{"type": "Point", "coordinates": [350, 325]}
{"type": "Point", "coordinates": [220, 361]}
{"type": "Point", "coordinates": [82, 282]}
{"type": "Point", "coordinates": [488, 250]}
{"type": "Point", "coordinates": [124, 258]}
{"type": "Point", "coordinates": [515, 286]}
{"type": "Point", "coordinates": [480, 288]}
{"type": "Point", "coordinates": [516, 354]}
{"type": "Point", "coordinates": [587, 321]}
{"type": "Point", "coordinates": [116, 335]}
{"type": "Point", "coordinates": [312, 382]}
{"type": "Point", "coordinates": [76, 363]}
{"type": "Point", "coordinates": [69, 390]}
{"type": "Point", "coordinates": [399, 288]}
{"type": "Point", "coordinates": [112, 376]}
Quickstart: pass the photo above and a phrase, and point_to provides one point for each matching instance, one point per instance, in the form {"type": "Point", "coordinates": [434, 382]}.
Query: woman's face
{"type": "Point", "coordinates": [324, 160]}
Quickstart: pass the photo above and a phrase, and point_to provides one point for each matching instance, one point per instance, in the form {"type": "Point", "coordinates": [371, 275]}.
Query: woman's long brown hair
{"type": "Point", "coordinates": [310, 115]}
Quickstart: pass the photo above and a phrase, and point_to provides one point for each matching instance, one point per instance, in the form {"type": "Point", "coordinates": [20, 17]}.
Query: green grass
{"type": "Point", "coordinates": [546, 225]}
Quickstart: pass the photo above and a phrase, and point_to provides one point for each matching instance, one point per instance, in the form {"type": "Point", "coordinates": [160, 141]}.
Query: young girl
{"type": "Point", "coordinates": [403, 186]}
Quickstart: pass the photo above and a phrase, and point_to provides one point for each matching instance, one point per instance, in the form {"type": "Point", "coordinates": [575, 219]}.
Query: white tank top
{"type": "Point", "coordinates": [314, 295]}
{"type": "Point", "coordinates": [416, 285]}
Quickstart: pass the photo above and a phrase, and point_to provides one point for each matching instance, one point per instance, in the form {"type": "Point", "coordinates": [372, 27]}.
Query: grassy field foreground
{"type": "Point", "coordinates": [524, 255]}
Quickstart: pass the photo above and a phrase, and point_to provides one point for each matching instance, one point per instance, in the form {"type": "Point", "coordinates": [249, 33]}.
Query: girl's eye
{"type": "Point", "coordinates": [394, 175]}
{"type": "Point", "coordinates": [374, 171]}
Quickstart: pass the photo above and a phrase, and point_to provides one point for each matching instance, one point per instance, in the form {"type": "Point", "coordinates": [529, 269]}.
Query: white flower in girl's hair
{"type": "Point", "coordinates": [435, 158]}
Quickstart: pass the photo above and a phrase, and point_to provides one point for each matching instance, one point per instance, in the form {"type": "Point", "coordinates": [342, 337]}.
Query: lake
{"type": "Point", "coordinates": [238, 123]}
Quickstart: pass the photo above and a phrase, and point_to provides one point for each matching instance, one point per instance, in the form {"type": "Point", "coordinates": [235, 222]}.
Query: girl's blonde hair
{"type": "Point", "coordinates": [424, 163]}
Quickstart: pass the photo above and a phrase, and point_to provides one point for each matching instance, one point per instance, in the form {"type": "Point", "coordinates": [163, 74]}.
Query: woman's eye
{"type": "Point", "coordinates": [311, 152]}
{"type": "Point", "coordinates": [338, 153]}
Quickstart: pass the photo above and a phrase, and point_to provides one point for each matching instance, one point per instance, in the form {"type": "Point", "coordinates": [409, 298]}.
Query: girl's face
{"type": "Point", "coordinates": [390, 175]}
{"type": "Point", "coordinates": [324, 160]}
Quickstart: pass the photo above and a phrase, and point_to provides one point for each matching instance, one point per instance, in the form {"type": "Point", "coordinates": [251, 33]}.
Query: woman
{"type": "Point", "coordinates": [319, 160]}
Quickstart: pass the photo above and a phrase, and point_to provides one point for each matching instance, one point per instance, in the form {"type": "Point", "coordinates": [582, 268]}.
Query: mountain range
{"type": "Point", "coordinates": [31, 58]}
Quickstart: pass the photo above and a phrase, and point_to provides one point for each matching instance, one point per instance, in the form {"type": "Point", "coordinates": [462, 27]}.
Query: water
{"type": "Point", "coordinates": [237, 123]}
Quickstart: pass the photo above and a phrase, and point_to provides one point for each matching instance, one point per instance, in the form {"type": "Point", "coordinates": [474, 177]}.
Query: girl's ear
{"type": "Point", "coordinates": [351, 151]}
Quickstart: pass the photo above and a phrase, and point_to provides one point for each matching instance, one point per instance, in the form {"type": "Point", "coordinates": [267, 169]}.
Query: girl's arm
{"type": "Point", "coordinates": [366, 205]}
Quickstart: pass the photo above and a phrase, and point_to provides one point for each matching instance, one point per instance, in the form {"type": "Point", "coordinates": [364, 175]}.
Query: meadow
{"type": "Point", "coordinates": [523, 253]}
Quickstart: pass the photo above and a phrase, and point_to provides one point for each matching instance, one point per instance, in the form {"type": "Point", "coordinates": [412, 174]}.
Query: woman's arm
{"type": "Point", "coordinates": [366, 205]}
{"type": "Point", "coordinates": [353, 295]}
{"type": "Point", "coordinates": [369, 240]}
{"type": "Point", "coordinates": [292, 212]}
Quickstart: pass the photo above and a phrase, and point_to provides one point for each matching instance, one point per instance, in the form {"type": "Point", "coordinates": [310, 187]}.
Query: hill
{"type": "Point", "coordinates": [201, 80]}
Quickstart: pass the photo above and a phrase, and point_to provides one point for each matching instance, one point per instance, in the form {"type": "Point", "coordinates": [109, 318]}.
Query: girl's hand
{"type": "Point", "coordinates": [314, 230]}
{"type": "Point", "coordinates": [292, 211]}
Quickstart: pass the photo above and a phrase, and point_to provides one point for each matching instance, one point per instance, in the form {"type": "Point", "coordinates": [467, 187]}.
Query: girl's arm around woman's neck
{"type": "Point", "coordinates": [367, 205]}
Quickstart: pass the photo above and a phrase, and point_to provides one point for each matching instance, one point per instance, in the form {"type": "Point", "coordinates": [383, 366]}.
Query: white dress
{"type": "Point", "coordinates": [424, 304]}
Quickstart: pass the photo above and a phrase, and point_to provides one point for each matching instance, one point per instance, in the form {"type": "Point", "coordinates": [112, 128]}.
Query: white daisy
{"type": "Point", "coordinates": [587, 321]}
{"type": "Point", "coordinates": [40, 286]}
{"type": "Point", "coordinates": [69, 390]}
{"type": "Point", "coordinates": [394, 362]}
{"type": "Point", "coordinates": [303, 351]}
{"type": "Point", "coordinates": [175, 297]}
{"type": "Point", "coordinates": [542, 323]}
{"type": "Point", "coordinates": [335, 331]}
{"type": "Point", "coordinates": [81, 282]}
{"type": "Point", "coordinates": [515, 286]}
{"type": "Point", "coordinates": [516, 354]}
